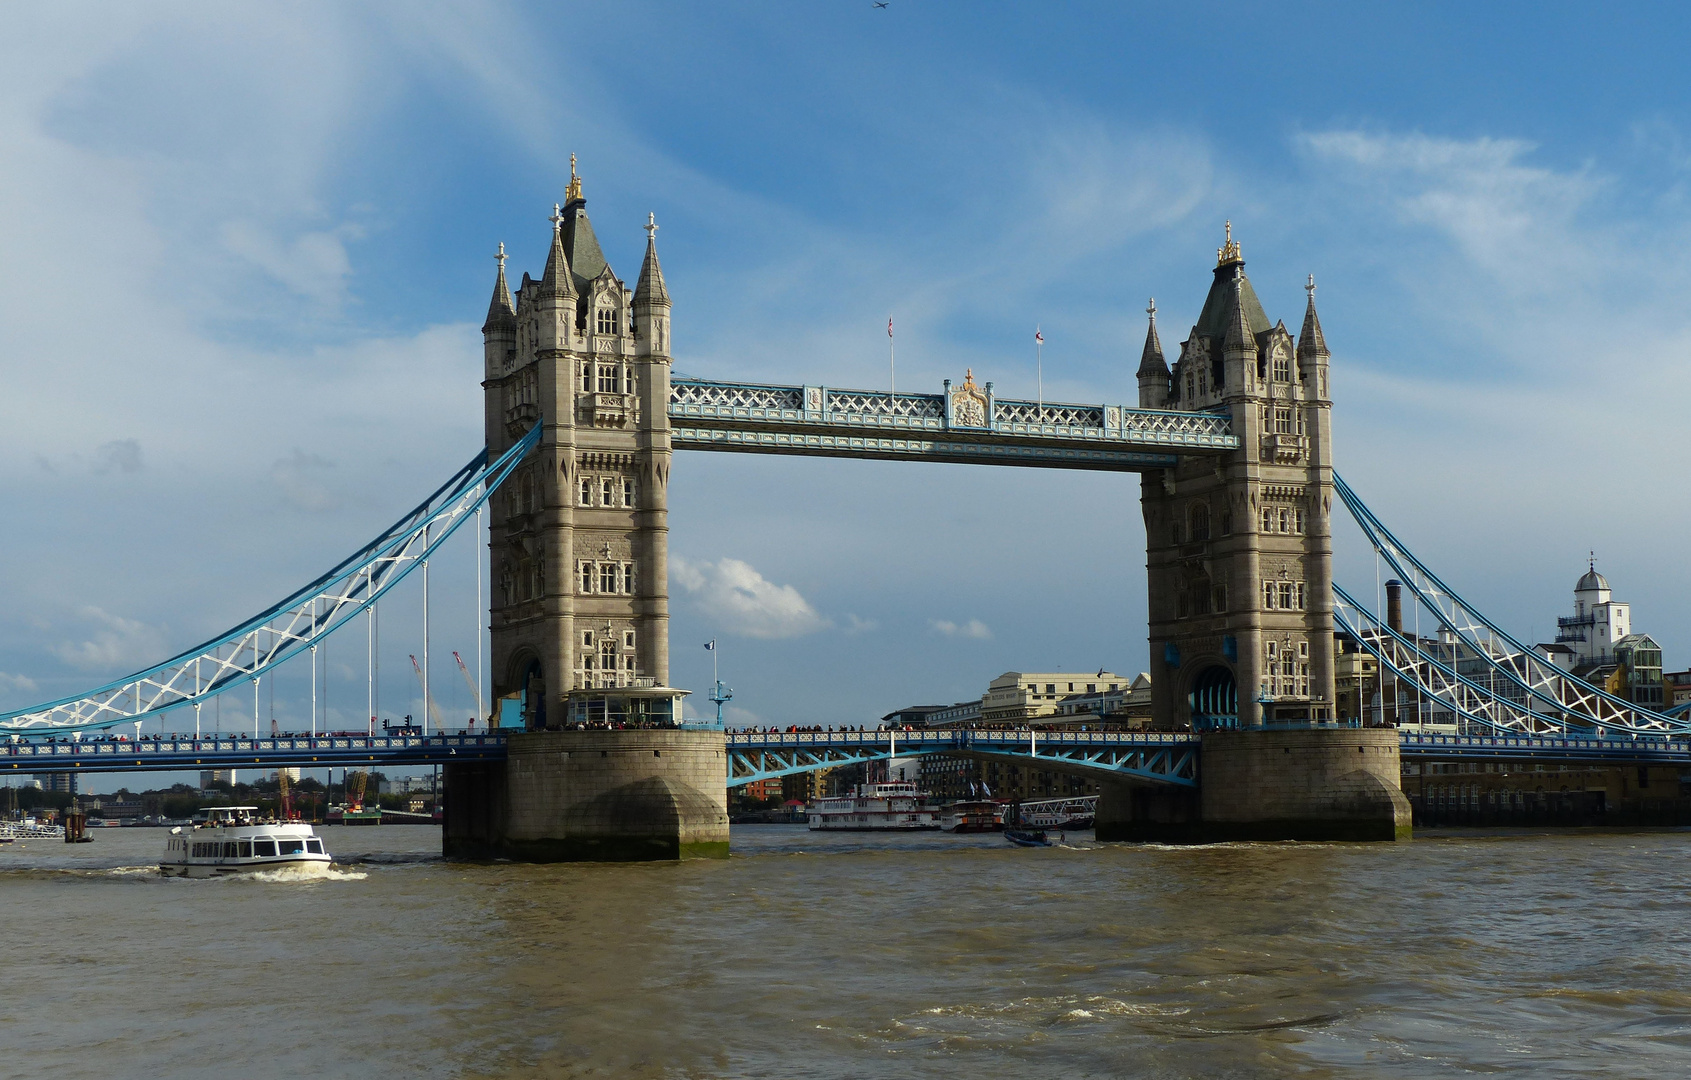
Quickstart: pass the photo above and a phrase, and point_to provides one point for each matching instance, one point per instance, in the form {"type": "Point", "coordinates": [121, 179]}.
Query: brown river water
{"type": "Point", "coordinates": [850, 955]}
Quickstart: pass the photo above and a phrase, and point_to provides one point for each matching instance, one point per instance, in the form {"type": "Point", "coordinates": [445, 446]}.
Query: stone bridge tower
{"type": "Point", "coordinates": [579, 536]}
{"type": "Point", "coordinates": [1239, 548]}
{"type": "Point", "coordinates": [580, 600]}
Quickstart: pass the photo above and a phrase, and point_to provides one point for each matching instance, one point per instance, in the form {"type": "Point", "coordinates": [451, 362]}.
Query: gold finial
{"type": "Point", "coordinates": [1229, 251]}
{"type": "Point", "coordinates": [573, 192]}
{"type": "Point", "coordinates": [969, 378]}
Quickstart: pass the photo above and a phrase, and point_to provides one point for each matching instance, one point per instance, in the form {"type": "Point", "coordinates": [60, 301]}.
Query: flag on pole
{"type": "Point", "coordinates": [711, 644]}
{"type": "Point", "coordinates": [1038, 337]}
{"type": "Point", "coordinates": [889, 326]}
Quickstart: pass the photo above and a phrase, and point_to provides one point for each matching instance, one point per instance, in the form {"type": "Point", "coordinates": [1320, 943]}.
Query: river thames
{"type": "Point", "coordinates": [1544, 955]}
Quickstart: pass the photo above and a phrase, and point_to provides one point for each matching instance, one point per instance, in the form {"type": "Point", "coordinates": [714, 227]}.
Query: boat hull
{"type": "Point", "coordinates": [303, 866]}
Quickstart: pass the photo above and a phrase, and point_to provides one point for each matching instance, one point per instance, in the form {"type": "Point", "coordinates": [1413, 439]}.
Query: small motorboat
{"type": "Point", "coordinates": [1031, 837]}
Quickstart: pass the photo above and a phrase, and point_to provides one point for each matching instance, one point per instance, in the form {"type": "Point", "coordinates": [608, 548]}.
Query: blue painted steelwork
{"type": "Point", "coordinates": [1416, 746]}
{"type": "Point", "coordinates": [289, 627]}
{"type": "Point", "coordinates": [1506, 658]}
{"type": "Point", "coordinates": [829, 422]}
{"type": "Point", "coordinates": [171, 753]}
{"type": "Point", "coordinates": [1158, 757]}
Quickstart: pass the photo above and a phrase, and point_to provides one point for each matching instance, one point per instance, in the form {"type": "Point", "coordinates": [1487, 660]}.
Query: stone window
{"type": "Point", "coordinates": [607, 492]}
{"type": "Point", "coordinates": [609, 380]}
{"type": "Point", "coordinates": [1218, 599]}
{"type": "Point", "coordinates": [1227, 523]}
{"type": "Point", "coordinates": [608, 577]}
{"type": "Point", "coordinates": [1298, 524]}
{"type": "Point", "coordinates": [1176, 534]}
{"type": "Point", "coordinates": [628, 581]}
{"type": "Point", "coordinates": [587, 587]}
{"type": "Point", "coordinates": [1268, 519]}
{"type": "Point", "coordinates": [1199, 515]}
{"type": "Point", "coordinates": [587, 639]}
{"type": "Point", "coordinates": [628, 639]}
{"type": "Point", "coordinates": [630, 491]}
{"type": "Point", "coordinates": [586, 378]}
{"type": "Point", "coordinates": [1287, 594]}
{"type": "Point", "coordinates": [1285, 520]}
{"type": "Point", "coordinates": [1282, 367]}
{"type": "Point", "coordinates": [607, 322]}
{"type": "Point", "coordinates": [1282, 421]}
{"type": "Point", "coordinates": [1268, 595]}
{"type": "Point", "coordinates": [586, 491]}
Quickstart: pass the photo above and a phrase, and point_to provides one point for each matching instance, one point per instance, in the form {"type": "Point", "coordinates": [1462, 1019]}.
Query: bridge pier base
{"type": "Point", "coordinates": [1301, 784]}
{"type": "Point", "coordinates": [592, 796]}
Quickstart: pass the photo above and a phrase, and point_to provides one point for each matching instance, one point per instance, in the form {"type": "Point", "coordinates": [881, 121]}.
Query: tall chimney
{"type": "Point", "coordinates": [1394, 605]}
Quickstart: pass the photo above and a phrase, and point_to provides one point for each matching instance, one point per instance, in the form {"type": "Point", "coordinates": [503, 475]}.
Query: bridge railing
{"type": "Point", "coordinates": [957, 737]}
{"type": "Point", "coordinates": [45, 754]}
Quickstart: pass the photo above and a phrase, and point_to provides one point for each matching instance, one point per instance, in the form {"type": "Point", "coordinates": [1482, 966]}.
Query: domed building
{"type": "Point", "coordinates": [1601, 648]}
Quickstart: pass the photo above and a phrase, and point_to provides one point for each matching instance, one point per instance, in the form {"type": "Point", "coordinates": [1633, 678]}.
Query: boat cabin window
{"type": "Point", "coordinates": [314, 846]}
{"type": "Point", "coordinates": [244, 849]}
{"type": "Point", "coordinates": [264, 849]}
{"type": "Point", "coordinates": [291, 847]}
{"type": "Point", "coordinates": [229, 849]}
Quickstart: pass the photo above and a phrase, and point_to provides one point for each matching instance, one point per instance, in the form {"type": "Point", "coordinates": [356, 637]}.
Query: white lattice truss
{"type": "Point", "coordinates": [247, 652]}
{"type": "Point", "coordinates": [1546, 698]}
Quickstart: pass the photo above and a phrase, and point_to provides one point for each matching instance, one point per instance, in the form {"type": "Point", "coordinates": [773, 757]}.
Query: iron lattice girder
{"type": "Point", "coordinates": [1467, 699]}
{"type": "Point", "coordinates": [1160, 757]}
{"type": "Point", "coordinates": [174, 754]}
{"type": "Point", "coordinates": [1415, 746]}
{"type": "Point", "coordinates": [291, 626]}
{"type": "Point", "coordinates": [829, 422]}
{"type": "Point", "coordinates": [1506, 658]}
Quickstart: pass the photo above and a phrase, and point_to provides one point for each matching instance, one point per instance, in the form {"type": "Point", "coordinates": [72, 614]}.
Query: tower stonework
{"type": "Point", "coordinates": [1239, 566]}
{"type": "Point", "coordinates": [579, 553]}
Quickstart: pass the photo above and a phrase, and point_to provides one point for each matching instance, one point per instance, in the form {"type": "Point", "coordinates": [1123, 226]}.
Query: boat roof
{"type": "Point", "coordinates": [215, 809]}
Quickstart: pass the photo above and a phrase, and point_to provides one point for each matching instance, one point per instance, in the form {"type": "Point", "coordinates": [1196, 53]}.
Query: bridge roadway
{"type": "Point", "coordinates": [1162, 757]}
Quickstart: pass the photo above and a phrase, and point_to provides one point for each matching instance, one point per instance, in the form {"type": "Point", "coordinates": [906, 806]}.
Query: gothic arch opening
{"type": "Point", "coordinates": [1214, 700]}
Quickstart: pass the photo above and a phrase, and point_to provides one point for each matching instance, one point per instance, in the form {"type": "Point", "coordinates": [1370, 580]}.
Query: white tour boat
{"type": "Point", "coordinates": [235, 839]}
{"type": "Point", "coordinates": [895, 805]}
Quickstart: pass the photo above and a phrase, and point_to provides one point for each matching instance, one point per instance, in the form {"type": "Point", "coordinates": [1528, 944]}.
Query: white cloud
{"type": "Point", "coordinates": [119, 455]}
{"type": "Point", "coordinates": [974, 628]}
{"type": "Point", "coordinates": [743, 601]}
{"type": "Point", "coordinates": [117, 643]}
{"type": "Point", "coordinates": [298, 476]}
{"type": "Point", "coordinates": [16, 682]}
{"type": "Point", "coordinates": [855, 625]}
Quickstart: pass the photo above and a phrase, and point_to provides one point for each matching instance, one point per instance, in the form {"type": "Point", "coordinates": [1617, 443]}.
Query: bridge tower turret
{"type": "Point", "coordinates": [1239, 549]}
{"type": "Point", "coordinates": [1239, 561]}
{"type": "Point", "coordinates": [579, 566]}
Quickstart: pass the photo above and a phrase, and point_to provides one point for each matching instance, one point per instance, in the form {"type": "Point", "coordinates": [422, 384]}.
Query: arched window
{"type": "Point", "coordinates": [1199, 518]}
{"type": "Point", "coordinates": [1268, 519]}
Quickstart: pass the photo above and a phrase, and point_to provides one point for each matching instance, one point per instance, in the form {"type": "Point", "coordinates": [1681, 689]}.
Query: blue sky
{"type": "Point", "coordinates": [247, 252]}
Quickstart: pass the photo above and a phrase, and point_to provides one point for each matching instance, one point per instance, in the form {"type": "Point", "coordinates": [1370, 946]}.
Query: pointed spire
{"type": "Point", "coordinates": [556, 281]}
{"type": "Point", "coordinates": [1239, 334]}
{"type": "Point", "coordinates": [500, 311]}
{"type": "Point", "coordinates": [1311, 342]}
{"type": "Point", "coordinates": [1151, 361]}
{"type": "Point", "coordinates": [650, 288]}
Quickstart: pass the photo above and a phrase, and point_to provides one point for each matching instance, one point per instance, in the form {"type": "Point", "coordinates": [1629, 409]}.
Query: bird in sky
{"type": "Point", "coordinates": [880, 3]}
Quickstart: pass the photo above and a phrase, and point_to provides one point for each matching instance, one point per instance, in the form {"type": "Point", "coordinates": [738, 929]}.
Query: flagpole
{"type": "Point", "coordinates": [892, 365]}
{"type": "Point", "coordinates": [1039, 364]}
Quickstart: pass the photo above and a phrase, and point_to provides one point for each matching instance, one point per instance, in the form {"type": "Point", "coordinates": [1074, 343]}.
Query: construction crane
{"type": "Point", "coordinates": [475, 691]}
{"type": "Point", "coordinates": [434, 710]}
{"type": "Point", "coordinates": [285, 799]}
{"type": "Point", "coordinates": [355, 782]}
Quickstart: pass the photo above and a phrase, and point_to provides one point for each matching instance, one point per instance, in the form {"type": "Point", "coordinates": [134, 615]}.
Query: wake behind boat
{"type": "Point", "coordinates": [234, 839]}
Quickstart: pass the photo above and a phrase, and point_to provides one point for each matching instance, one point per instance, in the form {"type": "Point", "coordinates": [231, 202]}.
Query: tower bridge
{"type": "Point", "coordinates": [582, 413]}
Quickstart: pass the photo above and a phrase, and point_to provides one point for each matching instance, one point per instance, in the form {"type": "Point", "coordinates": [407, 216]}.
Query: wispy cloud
{"type": "Point", "coordinates": [974, 628]}
{"type": "Point", "coordinates": [734, 595]}
{"type": "Point", "coordinates": [115, 643]}
{"type": "Point", "coordinates": [24, 683]}
{"type": "Point", "coordinates": [299, 475]}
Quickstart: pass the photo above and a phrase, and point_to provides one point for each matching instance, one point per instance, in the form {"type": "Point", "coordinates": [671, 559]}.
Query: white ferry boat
{"type": "Point", "coordinates": [976, 815]}
{"type": "Point", "coordinates": [234, 839]}
{"type": "Point", "coordinates": [895, 805]}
